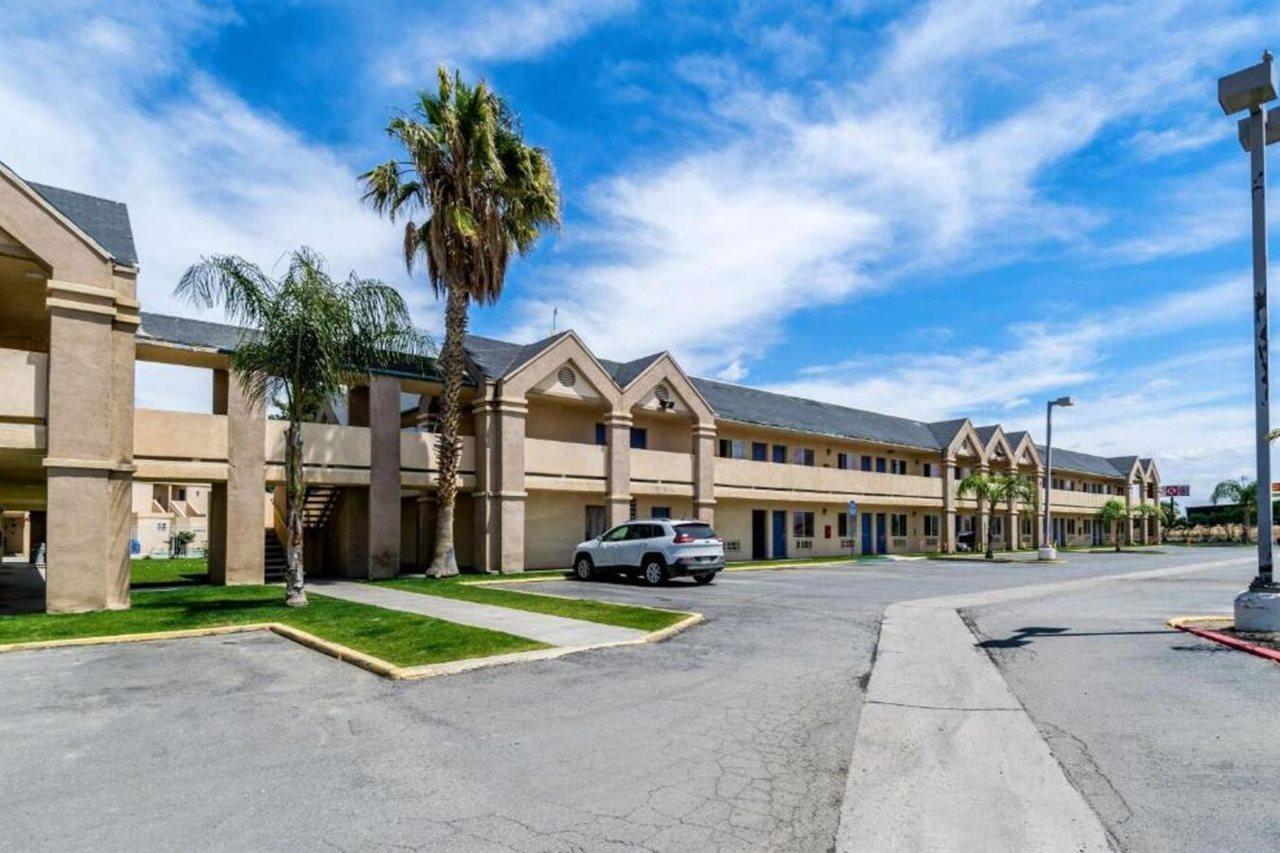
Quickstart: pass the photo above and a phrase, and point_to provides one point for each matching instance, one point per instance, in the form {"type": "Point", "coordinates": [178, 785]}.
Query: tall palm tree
{"type": "Point", "coordinates": [995, 489]}
{"type": "Point", "coordinates": [1243, 492]}
{"type": "Point", "coordinates": [483, 194]}
{"type": "Point", "coordinates": [306, 337]}
{"type": "Point", "coordinates": [1112, 513]}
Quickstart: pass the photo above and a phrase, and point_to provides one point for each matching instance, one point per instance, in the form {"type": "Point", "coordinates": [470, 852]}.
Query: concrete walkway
{"type": "Point", "coordinates": [553, 630]}
{"type": "Point", "coordinates": [946, 758]}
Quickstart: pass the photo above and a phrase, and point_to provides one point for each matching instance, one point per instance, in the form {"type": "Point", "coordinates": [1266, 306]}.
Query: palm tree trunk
{"type": "Point", "coordinates": [294, 593]}
{"type": "Point", "coordinates": [444, 562]}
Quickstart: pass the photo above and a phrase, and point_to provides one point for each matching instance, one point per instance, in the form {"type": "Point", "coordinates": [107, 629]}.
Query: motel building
{"type": "Point", "coordinates": [560, 444]}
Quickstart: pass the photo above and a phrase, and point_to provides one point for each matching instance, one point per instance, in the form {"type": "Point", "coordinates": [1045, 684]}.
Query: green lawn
{"type": "Point", "coordinates": [403, 639]}
{"type": "Point", "coordinates": [178, 570]}
{"type": "Point", "coordinates": [640, 618]}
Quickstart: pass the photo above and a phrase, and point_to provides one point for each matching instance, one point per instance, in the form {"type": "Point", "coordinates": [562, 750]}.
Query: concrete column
{"type": "Point", "coordinates": [1037, 521]}
{"type": "Point", "coordinates": [236, 507]}
{"type": "Point", "coordinates": [983, 519]}
{"type": "Point", "coordinates": [1012, 535]}
{"type": "Point", "coordinates": [511, 493]}
{"type": "Point", "coordinates": [1128, 514]}
{"type": "Point", "coordinates": [948, 531]}
{"type": "Point", "coordinates": [384, 477]}
{"type": "Point", "coordinates": [485, 496]}
{"type": "Point", "coordinates": [618, 470]}
{"type": "Point", "coordinates": [1159, 519]}
{"type": "Point", "coordinates": [704, 471]}
{"type": "Point", "coordinates": [89, 465]}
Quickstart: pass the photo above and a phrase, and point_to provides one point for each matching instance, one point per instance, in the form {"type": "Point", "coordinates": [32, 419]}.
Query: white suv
{"type": "Point", "coordinates": [654, 549]}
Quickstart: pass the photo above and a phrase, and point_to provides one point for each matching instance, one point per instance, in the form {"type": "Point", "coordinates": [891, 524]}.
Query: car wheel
{"type": "Point", "coordinates": [654, 573]}
{"type": "Point", "coordinates": [583, 569]}
{"type": "Point", "coordinates": [704, 578]}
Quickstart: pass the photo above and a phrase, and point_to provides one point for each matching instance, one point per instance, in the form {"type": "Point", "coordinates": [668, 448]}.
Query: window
{"type": "Point", "coordinates": [643, 531]}
{"type": "Point", "coordinates": [780, 454]}
{"type": "Point", "coordinates": [631, 509]}
{"type": "Point", "coordinates": [866, 463]}
{"type": "Point", "coordinates": [802, 525]}
{"type": "Point", "coordinates": [842, 524]}
{"type": "Point", "coordinates": [897, 466]}
{"type": "Point", "coordinates": [880, 464]}
{"type": "Point", "coordinates": [1071, 527]}
{"type": "Point", "coordinates": [759, 451]}
{"type": "Point", "coordinates": [602, 435]}
{"type": "Point", "coordinates": [802, 456]}
{"type": "Point", "coordinates": [696, 529]}
{"type": "Point", "coordinates": [639, 438]}
{"type": "Point", "coordinates": [179, 494]}
{"type": "Point", "coordinates": [594, 522]}
{"type": "Point", "coordinates": [1026, 526]}
{"type": "Point", "coordinates": [842, 462]}
{"type": "Point", "coordinates": [931, 525]}
{"type": "Point", "coordinates": [618, 533]}
{"type": "Point", "coordinates": [926, 470]}
{"type": "Point", "coordinates": [732, 448]}
{"type": "Point", "coordinates": [898, 524]}
{"type": "Point", "coordinates": [661, 512]}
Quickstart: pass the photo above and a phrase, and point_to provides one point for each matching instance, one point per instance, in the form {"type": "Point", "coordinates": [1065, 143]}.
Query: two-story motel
{"type": "Point", "coordinates": [560, 443]}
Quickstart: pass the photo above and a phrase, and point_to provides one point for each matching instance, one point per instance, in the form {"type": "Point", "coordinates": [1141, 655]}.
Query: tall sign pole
{"type": "Point", "coordinates": [1258, 609]}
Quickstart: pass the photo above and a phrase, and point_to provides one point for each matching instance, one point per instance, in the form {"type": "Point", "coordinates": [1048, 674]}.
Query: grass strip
{"type": "Point", "coordinates": [176, 570]}
{"type": "Point", "coordinates": [587, 610]}
{"type": "Point", "coordinates": [403, 639]}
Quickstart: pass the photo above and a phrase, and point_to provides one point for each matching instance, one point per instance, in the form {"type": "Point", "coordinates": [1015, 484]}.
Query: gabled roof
{"type": "Point", "coordinates": [1083, 463]}
{"type": "Point", "coordinates": [625, 373]}
{"type": "Point", "coordinates": [985, 433]}
{"type": "Point", "coordinates": [765, 408]}
{"type": "Point", "coordinates": [107, 222]}
{"type": "Point", "coordinates": [495, 358]}
{"type": "Point", "coordinates": [945, 432]}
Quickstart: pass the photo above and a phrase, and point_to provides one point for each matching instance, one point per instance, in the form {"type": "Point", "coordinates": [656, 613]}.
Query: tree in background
{"type": "Point", "coordinates": [307, 337]}
{"type": "Point", "coordinates": [995, 489]}
{"type": "Point", "coordinates": [1244, 493]}
{"type": "Point", "coordinates": [485, 195]}
{"type": "Point", "coordinates": [1112, 513]}
{"type": "Point", "coordinates": [1143, 512]}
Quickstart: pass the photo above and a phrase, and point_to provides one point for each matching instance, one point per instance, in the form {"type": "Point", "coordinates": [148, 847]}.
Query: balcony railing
{"type": "Point", "coordinates": [662, 466]}
{"type": "Point", "coordinates": [546, 458]}
{"type": "Point", "coordinates": [869, 485]}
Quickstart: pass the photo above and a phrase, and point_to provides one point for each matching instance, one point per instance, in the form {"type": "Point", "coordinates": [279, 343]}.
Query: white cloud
{"type": "Point", "coordinates": [495, 31]}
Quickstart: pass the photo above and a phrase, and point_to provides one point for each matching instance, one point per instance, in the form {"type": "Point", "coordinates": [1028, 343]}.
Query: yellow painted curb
{"type": "Point", "coordinates": [367, 662]}
{"type": "Point", "coordinates": [1179, 621]}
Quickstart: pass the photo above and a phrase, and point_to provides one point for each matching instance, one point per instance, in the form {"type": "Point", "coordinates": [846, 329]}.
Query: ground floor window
{"type": "Point", "coordinates": [802, 525]}
{"type": "Point", "coordinates": [1071, 527]}
{"type": "Point", "coordinates": [931, 525]}
{"type": "Point", "coordinates": [661, 512]}
{"type": "Point", "coordinates": [997, 526]}
{"type": "Point", "coordinates": [898, 524]}
{"type": "Point", "coordinates": [1026, 526]}
{"type": "Point", "coordinates": [842, 524]}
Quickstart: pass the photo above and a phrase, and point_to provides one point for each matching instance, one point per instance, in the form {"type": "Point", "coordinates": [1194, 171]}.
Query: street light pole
{"type": "Point", "coordinates": [1258, 608]}
{"type": "Point", "coordinates": [1047, 550]}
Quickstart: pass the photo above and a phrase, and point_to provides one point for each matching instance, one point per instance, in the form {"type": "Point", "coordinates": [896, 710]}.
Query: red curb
{"type": "Point", "coordinates": [1233, 642]}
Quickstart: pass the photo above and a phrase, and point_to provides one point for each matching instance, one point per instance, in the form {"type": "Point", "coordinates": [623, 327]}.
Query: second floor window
{"type": "Point", "coordinates": [842, 462]}
{"type": "Point", "coordinates": [759, 451]}
{"type": "Point", "coordinates": [602, 438]}
{"type": "Point", "coordinates": [732, 448]}
{"type": "Point", "coordinates": [897, 466]}
{"type": "Point", "coordinates": [802, 456]}
{"type": "Point", "coordinates": [880, 464]}
{"type": "Point", "coordinates": [926, 469]}
{"type": "Point", "coordinates": [866, 463]}
{"type": "Point", "coordinates": [802, 525]}
{"type": "Point", "coordinates": [780, 454]}
{"type": "Point", "coordinates": [639, 438]}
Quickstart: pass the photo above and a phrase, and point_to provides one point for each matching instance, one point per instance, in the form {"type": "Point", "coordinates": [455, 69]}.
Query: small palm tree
{"type": "Point", "coordinates": [995, 489]}
{"type": "Point", "coordinates": [1143, 512]}
{"type": "Point", "coordinates": [1244, 493]}
{"type": "Point", "coordinates": [484, 194]}
{"type": "Point", "coordinates": [1112, 513]}
{"type": "Point", "coordinates": [306, 337]}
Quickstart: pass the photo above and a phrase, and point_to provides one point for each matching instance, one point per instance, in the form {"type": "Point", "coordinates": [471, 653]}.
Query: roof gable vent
{"type": "Point", "coordinates": [566, 377]}
{"type": "Point", "coordinates": [663, 393]}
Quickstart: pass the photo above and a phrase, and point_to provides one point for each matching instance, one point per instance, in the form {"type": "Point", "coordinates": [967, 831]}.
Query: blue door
{"type": "Point", "coordinates": [866, 533]}
{"type": "Point", "coordinates": [779, 534]}
{"type": "Point", "coordinates": [881, 544]}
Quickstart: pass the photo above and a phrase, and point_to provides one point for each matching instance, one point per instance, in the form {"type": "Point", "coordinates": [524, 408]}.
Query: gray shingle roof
{"type": "Point", "coordinates": [107, 222]}
{"type": "Point", "coordinates": [731, 402]}
{"type": "Point", "coordinates": [753, 406]}
{"type": "Point", "coordinates": [985, 433]}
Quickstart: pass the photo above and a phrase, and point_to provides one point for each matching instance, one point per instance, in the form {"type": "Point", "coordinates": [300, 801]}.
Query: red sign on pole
{"type": "Point", "coordinates": [1176, 491]}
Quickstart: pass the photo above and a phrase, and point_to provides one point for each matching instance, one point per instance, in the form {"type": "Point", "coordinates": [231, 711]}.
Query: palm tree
{"type": "Point", "coordinates": [483, 194]}
{"type": "Point", "coordinates": [1243, 492]}
{"type": "Point", "coordinates": [306, 337]}
{"type": "Point", "coordinates": [1112, 513]}
{"type": "Point", "coordinates": [994, 489]}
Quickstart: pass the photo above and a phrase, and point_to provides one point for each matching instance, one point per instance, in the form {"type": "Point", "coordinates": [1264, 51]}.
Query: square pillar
{"type": "Point", "coordinates": [511, 493]}
{"type": "Point", "coordinates": [89, 464]}
{"type": "Point", "coordinates": [485, 495]}
{"type": "Point", "coordinates": [704, 471]}
{"type": "Point", "coordinates": [384, 477]}
{"type": "Point", "coordinates": [1128, 514]}
{"type": "Point", "coordinates": [618, 487]}
{"type": "Point", "coordinates": [237, 522]}
{"type": "Point", "coordinates": [948, 531]}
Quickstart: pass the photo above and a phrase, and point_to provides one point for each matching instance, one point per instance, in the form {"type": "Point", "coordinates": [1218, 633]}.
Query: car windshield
{"type": "Point", "coordinates": [697, 530]}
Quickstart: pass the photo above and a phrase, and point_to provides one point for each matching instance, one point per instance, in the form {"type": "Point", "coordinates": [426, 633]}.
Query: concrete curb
{"type": "Point", "coordinates": [367, 662]}
{"type": "Point", "coordinates": [1186, 624]}
{"type": "Point", "coordinates": [945, 756]}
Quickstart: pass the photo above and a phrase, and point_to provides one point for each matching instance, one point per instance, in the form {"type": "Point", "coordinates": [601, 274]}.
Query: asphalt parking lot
{"type": "Point", "coordinates": [734, 735]}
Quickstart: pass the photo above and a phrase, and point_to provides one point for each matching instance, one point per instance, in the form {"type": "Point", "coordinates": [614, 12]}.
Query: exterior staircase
{"type": "Point", "coordinates": [275, 558]}
{"type": "Point", "coordinates": [317, 508]}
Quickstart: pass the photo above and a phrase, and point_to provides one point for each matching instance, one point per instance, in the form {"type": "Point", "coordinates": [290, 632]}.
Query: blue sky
{"type": "Point", "coordinates": [932, 210]}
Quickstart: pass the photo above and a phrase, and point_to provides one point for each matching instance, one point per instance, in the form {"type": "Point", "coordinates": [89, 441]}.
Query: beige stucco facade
{"type": "Point", "coordinates": [558, 445]}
